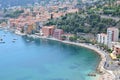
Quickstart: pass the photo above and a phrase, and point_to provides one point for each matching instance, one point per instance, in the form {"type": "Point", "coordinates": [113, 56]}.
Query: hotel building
{"type": "Point", "coordinates": [102, 38]}
{"type": "Point", "coordinates": [112, 35]}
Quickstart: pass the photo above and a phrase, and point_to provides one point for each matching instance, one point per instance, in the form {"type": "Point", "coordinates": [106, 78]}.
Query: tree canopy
{"type": "Point", "coordinates": [77, 22]}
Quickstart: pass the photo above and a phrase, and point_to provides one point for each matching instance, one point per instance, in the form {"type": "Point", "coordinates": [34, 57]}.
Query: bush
{"type": "Point", "coordinates": [73, 38]}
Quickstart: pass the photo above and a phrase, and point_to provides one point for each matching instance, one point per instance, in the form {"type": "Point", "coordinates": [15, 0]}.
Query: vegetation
{"type": "Point", "coordinates": [77, 22]}
{"type": "Point", "coordinates": [105, 47]}
{"type": "Point", "coordinates": [7, 3]}
{"type": "Point", "coordinates": [109, 50]}
{"type": "Point", "coordinates": [83, 40]}
{"type": "Point", "coordinates": [3, 20]}
{"type": "Point", "coordinates": [73, 38]}
{"type": "Point", "coordinates": [112, 10]}
{"type": "Point", "coordinates": [14, 14]}
{"type": "Point", "coordinates": [118, 56]}
{"type": "Point", "coordinates": [63, 37]}
{"type": "Point", "coordinates": [16, 2]}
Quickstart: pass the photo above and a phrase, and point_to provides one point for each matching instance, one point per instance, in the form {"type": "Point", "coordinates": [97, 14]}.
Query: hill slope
{"type": "Point", "coordinates": [6, 3]}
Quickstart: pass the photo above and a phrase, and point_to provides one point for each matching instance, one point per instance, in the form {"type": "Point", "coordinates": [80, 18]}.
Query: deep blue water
{"type": "Point", "coordinates": [41, 59]}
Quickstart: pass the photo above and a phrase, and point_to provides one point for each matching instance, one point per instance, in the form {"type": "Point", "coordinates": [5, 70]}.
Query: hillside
{"type": "Point", "coordinates": [6, 3]}
{"type": "Point", "coordinates": [76, 22]}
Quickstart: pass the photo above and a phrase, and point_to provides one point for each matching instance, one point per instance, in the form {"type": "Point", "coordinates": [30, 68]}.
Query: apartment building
{"type": "Point", "coordinates": [58, 33]}
{"type": "Point", "coordinates": [48, 30]}
{"type": "Point", "coordinates": [112, 35]}
{"type": "Point", "coordinates": [102, 38]}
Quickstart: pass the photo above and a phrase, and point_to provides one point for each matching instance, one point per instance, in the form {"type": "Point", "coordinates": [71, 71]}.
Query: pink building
{"type": "Point", "coordinates": [58, 33]}
{"type": "Point", "coordinates": [48, 30]}
{"type": "Point", "coordinates": [113, 34]}
{"type": "Point", "coordinates": [116, 49]}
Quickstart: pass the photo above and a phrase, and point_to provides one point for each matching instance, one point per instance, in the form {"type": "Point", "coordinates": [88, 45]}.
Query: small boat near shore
{"type": "Point", "coordinates": [1, 39]}
{"type": "Point", "coordinates": [13, 41]}
{"type": "Point", "coordinates": [92, 74]}
{"type": "Point", "coordinates": [2, 42]}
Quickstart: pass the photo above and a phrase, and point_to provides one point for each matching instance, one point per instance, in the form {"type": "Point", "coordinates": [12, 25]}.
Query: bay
{"type": "Point", "coordinates": [23, 58]}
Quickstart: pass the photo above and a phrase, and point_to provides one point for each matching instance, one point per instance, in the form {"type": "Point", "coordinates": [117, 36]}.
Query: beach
{"type": "Point", "coordinates": [106, 76]}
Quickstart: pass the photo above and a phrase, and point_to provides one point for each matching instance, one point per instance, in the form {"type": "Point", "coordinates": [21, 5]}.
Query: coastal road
{"type": "Point", "coordinates": [1, 18]}
{"type": "Point", "coordinates": [110, 17]}
{"type": "Point", "coordinates": [112, 65]}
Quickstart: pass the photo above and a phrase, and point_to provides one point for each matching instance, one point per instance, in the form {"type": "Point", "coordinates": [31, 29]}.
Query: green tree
{"type": "Point", "coordinates": [73, 38]}
{"type": "Point", "coordinates": [64, 37]}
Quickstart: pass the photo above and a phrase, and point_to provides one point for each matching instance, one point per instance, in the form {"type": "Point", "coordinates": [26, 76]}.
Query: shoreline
{"type": "Point", "coordinates": [100, 67]}
{"type": "Point", "coordinates": [91, 47]}
{"type": "Point", "coordinates": [104, 74]}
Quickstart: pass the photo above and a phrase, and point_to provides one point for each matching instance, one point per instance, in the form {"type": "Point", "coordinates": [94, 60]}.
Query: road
{"type": "Point", "coordinates": [3, 18]}
{"type": "Point", "coordinates": [110, 17]}
{"type": "Point", "coordinates": [112, 65]}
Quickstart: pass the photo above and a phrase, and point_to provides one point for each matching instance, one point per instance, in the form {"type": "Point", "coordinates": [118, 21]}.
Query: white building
{"type": "Point", "coordinates": [102, 38]}
{"type": "Point", "coordinates": [113, 35]}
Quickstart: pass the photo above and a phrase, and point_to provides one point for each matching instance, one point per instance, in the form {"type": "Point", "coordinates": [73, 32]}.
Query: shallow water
{"type": "Point", "coordinates": [41, 59]}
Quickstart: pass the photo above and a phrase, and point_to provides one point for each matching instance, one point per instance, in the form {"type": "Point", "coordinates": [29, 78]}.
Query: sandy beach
{"type": "Point", "coordinates": [106, 76]}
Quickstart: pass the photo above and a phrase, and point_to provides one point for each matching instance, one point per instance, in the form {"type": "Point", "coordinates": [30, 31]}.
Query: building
{"type": "Point", "coordinates": [48, 30]}
{"type": "Point", "coordinates": [116, 50]}
{"type": "Point", "coordinates": [58, 33]}
{"type": "Point", "coordinates": [102, 38]}
{"type": "Point", "coordinates": [30, 29]}
{"type": "Point", "coordinates": [112, 35]}
{"type": "Point", "coordinates": [117, 2]}
{"type": "Point", "coordinates": [24, 29]}
{"type": "Point", "coordinates": [38, 26]}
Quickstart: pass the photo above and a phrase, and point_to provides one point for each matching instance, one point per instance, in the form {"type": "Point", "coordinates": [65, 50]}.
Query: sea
{"type": "Point", "coordinates": [24, 58]}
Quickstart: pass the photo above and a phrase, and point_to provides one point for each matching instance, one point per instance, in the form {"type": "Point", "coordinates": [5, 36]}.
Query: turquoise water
{"type": "Point", "coordinates": [41, 59]}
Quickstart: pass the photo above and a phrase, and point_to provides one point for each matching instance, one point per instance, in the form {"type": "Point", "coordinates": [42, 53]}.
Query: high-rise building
{"type": "Point", "coordinates": [112, 35]}
{"type": "Point", "coordinates": [110, 38]}
{"type": "Point", "coordinates": [102, 38]}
